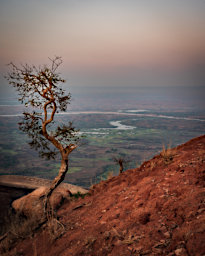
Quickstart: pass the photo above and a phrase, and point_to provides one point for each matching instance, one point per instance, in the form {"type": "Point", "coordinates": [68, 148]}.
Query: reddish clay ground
{"type": "Point", "coordinates": [157, 209]}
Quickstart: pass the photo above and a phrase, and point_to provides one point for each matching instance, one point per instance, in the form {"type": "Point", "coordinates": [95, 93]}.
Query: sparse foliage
{"type": "Point", "coordinates": [121, 161]}
{"type": "Point", "coordinates": [40, 90]}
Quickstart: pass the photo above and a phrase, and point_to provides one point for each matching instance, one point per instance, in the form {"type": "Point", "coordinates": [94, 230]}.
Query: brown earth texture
{"type": "Point", "coordinates": [156, 209]}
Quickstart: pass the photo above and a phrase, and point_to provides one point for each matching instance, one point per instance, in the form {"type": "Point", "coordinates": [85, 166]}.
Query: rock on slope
{"type": "Point", "coordinates": [31, 183]}
{"type": "Point", "coordinates": [157, 209]}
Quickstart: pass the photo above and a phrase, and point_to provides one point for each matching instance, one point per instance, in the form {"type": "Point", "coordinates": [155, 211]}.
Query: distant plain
{"type": "Point", "coordinates": [131, 122]}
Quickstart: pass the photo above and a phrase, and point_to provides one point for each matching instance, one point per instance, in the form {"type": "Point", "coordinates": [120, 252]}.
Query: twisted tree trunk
{"type": "Point", "coordinates": [60, 177]}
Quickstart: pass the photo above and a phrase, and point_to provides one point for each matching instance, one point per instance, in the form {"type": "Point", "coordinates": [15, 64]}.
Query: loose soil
{"type": "Point", "coordinates": [157, 209]}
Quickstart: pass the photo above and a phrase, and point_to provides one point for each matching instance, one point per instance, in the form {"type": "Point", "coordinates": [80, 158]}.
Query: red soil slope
{"type": "Point", "coordinates": [157, 209]}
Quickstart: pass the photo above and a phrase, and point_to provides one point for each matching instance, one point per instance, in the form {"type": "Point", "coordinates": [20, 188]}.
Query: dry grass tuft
{"type": "Point", "coordinates": [18, 227]}
{"type": "Point", "coordinates": [168, 154]}
{"type": "Point", "coordinates": [152, 165]}
{"type": "Point", "coordinates": [110, 175]}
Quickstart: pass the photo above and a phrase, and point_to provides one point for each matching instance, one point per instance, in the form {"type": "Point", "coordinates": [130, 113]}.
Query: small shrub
{"type": "Point", "coordinates": [167, 154]}
{"type": "Point", "coordinates": [78, 195]}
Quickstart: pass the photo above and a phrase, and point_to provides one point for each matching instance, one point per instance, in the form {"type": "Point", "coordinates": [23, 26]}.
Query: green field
{"type": "Point", "coordinates": [93, 159]}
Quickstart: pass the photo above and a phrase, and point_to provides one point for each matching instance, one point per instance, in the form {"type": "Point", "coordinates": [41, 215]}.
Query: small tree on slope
{"type": "Point", "coordinates": [121, 161]}
{"type": "Point", "coordinates": [39, 90]}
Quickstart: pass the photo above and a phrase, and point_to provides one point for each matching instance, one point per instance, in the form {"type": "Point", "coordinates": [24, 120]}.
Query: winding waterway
{"type": "Point", "coordinates": [120, 126]}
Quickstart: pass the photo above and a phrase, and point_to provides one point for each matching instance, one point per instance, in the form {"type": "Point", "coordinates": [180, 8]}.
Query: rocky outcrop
{"type": "Point", "coordinates": [13, 187]}
{"type": "Point", "coordinates": [30, 182]}
{"type": "Point", "coordinates": [33, 204]}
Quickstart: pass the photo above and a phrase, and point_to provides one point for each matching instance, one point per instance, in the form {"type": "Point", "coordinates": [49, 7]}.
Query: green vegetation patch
{"type": "Point", "coordinates": [74, 169]}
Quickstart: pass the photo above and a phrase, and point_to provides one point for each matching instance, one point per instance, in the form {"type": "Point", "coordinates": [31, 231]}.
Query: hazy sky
{"type": "Point", "coordinates": [108, 42]}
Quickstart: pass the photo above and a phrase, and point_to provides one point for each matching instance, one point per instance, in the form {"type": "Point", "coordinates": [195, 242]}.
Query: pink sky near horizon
{"type": "Point", "coordinates": [105, 37]}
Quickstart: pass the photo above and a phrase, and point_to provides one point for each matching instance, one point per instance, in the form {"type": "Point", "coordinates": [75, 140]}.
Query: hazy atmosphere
{"type": "Point", "coordinates": [108, 43]}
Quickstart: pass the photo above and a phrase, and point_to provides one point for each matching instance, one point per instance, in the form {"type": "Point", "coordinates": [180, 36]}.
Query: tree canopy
{"type": "Point", "coordinates": [40, 90]}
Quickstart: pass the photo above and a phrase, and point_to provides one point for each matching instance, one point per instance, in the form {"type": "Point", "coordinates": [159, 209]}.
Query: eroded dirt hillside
{"type": "Point", "coordinates": [157, 209]}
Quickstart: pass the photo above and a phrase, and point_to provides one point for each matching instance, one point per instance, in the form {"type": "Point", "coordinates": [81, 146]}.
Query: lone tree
{"type": "Point", "coordinates": [121, 161]}
{"type": "Point", "coordinates": [40, 90]}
